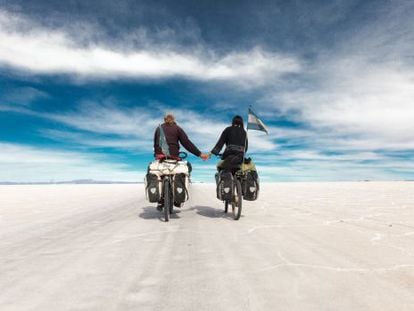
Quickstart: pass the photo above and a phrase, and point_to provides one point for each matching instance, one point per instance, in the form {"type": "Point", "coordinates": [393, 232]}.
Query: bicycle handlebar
{"type": "Point", "coordinates": [183, 155]}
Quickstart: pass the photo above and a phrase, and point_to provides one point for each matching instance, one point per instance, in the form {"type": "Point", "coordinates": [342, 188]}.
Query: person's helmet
{"type": "Point", "coordinates": [237, 121]}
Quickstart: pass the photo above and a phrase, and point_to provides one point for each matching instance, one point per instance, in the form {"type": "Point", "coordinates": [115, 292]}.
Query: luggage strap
{"type": "Point", "coordinates": [235, 148]}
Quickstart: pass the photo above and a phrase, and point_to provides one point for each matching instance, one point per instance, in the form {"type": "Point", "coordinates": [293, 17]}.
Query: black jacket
{"type": "Point", "coordinates": [235, 138]}
{"type": "Point", "coordinates": [174, 135]}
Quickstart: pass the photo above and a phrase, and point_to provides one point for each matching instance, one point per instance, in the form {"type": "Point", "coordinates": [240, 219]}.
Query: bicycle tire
{"type": "Point", "coordinates": [237, 200]}
{"type": "Point", "coordinates": [167, 200]}
{"type": "Point", "coordinates": [226, 206]}
{"type": "Point", "coordinates": [171, 198]}
{"type": "Point", "coordinates": [171, 201]}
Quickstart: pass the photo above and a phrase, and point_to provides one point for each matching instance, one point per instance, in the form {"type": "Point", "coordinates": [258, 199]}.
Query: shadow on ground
{"type": "Point", "coordinates": [151, 212]}
{"type": "Point", "coordinates": [208, 211]}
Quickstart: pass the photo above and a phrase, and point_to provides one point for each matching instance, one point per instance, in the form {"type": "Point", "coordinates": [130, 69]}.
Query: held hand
{"type": "Point", "coordinates": [205, 156]}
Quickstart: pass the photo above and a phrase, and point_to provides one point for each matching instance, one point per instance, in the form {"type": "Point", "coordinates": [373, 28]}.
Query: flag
{"type": "Point", "coordinates": [254, 123]}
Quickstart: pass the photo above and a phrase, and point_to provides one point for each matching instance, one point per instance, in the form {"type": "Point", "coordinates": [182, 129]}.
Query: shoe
{"type": "Point", "coordinates": [160, 206]}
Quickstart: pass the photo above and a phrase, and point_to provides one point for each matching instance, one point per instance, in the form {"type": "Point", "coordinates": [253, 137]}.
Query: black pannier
{"type": "Point", "coordinates": [250, 186]}
{"type": "Point", "coordinates": [217, 176]}
{"type": "Point", "coordinates": [180, 189]}
{"type": "Point", "coordinates": [224, 180]}
{"type": "Point", "coordinates": [153, 188]}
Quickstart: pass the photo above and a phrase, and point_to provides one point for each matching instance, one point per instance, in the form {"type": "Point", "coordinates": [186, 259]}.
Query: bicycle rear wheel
{"type": "Point", "coordinates": [167, 199]}
{"type": "Point", "coordinates": [237, 200]}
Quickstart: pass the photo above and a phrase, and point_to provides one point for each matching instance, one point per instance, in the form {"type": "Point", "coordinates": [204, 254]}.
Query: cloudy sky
{"type": "Point", "coordinates": [83, 84]}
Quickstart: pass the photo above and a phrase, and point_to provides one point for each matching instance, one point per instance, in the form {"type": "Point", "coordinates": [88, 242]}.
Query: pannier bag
{"type": "Point", "coordinates": [153, 187]}
{"type": "Point", "coordinates": [250, 186]}
{"type": "Point", "coordinates": [224, 181]}
{"type": "Point", "coordinates": [180, 189]}
{"type": "Point", "coordinates": [180, 172]}
{"type": "Point", "coordinates": [218, 193]}
{"type": "Point", "coordinates": [250, 182]}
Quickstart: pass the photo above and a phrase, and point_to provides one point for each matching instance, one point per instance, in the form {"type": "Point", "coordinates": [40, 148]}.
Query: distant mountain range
{"type": "Point", "coordinates": [103, 182]}
{"type": "Point", "coordinates": [77, 182]}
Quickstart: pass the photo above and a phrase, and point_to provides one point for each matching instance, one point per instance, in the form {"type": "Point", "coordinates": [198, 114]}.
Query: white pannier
{"type": "Point", "coordinates": [181, 174]}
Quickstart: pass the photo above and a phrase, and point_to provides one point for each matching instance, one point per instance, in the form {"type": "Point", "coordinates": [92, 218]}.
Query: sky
{"type": "Point", "coordinates": [83, 85]}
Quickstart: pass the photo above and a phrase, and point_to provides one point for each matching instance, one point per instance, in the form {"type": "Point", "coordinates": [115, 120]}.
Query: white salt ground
{"type": "Point", "coordinates": [301, 246]}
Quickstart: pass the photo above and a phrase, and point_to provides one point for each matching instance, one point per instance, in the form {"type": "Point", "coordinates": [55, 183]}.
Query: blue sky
{"type": "Point", "coordinates": [83, 85]}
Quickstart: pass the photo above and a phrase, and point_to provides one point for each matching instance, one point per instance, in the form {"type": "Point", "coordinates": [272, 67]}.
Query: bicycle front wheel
{"type": "Point", "coordinates": [237, 200]}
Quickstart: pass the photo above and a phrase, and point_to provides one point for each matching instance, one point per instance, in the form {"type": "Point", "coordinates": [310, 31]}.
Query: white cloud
{"type": "Point", "coordinates": [22, 96]}
{"type": "Point", "coordinates": [359, 94]}
{"type": "Point", "coordinates": [133, 128]}
{"type": "Point", "coordinates": [259, 142]}
{"type": "Point", "coordinates": [369, 101]}
{"type": "Point", "coordinates": [88, 140]}
{"type": "Point", "coordinates": [107, 119]}
{"type": "Point", "coordinates": [371, 106]}
{"type": "Point", "coordinates": [33, 164]}
{"type": "Point", "coordinates": [31, 48]}
{"type": "Point", "coordinates": [334, 169]}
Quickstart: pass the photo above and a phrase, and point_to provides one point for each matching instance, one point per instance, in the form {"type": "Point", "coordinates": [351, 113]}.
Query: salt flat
{"type": "Point", "coordinates": [301, 246]}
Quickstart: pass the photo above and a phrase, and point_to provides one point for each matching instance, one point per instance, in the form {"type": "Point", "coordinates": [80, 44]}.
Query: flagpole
{"type": "Point", "coordinates": [247, 130]}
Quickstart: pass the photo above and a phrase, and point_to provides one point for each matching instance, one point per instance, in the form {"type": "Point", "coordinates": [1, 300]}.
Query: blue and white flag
{"type": "Point", "coordinates": [254, 123]}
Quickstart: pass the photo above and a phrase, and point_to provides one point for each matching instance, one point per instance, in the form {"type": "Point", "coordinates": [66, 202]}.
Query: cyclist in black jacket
{"type": "Point", "coordinates": [235, 139]}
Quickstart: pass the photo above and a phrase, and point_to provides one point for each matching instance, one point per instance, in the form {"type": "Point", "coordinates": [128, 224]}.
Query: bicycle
{"type": "Point", "coordinates": [236, 201]}
{"type": "Point", "coordinates": [167, 180]}
{"type": "Point", "coordinates": [237, 197]}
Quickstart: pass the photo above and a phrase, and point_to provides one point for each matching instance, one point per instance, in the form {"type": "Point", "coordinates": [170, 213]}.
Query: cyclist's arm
{"type": "Point", "coordinates": [220, 143]}
{"type": "Point", "coordinates": [186, 142]}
